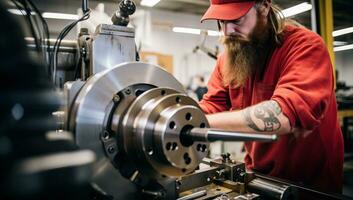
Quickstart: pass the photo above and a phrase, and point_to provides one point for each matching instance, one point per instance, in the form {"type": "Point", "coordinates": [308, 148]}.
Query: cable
{"type": "Point", "coordinates": [46, 32]}
{"type": "Point", "coordinates": [61, 36]}
{"type": "Point", "coordinates": [41, 36]}
{"type": "Point", "coordinates": [26, 7]}
{"type": "Point", "coordinates": [31, 26]}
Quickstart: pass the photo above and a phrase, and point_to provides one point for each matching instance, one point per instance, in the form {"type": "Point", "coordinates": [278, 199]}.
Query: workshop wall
{"type": "Point", "coordinates": [154, 34]}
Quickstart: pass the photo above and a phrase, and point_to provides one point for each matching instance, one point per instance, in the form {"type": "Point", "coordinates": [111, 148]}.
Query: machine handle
{"type": "Point", "coordinates": [212, 135]}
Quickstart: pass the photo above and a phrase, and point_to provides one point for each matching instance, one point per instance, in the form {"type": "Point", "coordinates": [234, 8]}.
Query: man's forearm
{"type": "Point", "coordinates": [265, 117]}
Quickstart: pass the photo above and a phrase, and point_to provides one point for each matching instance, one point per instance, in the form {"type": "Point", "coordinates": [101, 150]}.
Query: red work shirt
{"type": "Point", "coordinates": [299, 77]}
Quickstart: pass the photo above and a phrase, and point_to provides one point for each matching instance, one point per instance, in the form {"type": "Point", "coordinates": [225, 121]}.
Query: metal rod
{"type": "Point", "coordinates": [85, 7]}
{"type": "Point", "coordinates": [211, 135]}
{"type": "Point", "coordinates": [271, 189]}
{"type": "Point", "coordinates": [194, 195]}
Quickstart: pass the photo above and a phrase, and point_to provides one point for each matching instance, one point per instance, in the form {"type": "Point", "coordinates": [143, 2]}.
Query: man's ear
{"type": "Point", "coordinates": [264, 8]}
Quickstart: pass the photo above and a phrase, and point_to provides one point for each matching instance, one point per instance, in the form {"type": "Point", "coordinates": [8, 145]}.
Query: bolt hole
{"type": "Point", "coordinates": [106, 135]}
{"type": "Point", "coordinates": [183, 170]}
{"type": "Point", "coordinates": [203, 148]}
{"type": "Point", "coordinates": [163, 92]}
{"type": "Point", "coordinates": [187, 158]}
{"type": "Point", "coordinates": [174, 146]}
{"type": "Point", "coordinates": [168, 146]}
{"type": "Point", "coordinates": [199, 147]}
{"type": "Point", "coordinates": [128, 91]}
{"type": "Point", "coordinates": [172, 125]}
{"type": "Point", "coordinates": [202, 125]}
{"type": "Point", "coordinates": [188, 116]}
{"type": "Point", "coordinates": [178, 99]}
{"type": "Point", "coordinates": [218, 189]}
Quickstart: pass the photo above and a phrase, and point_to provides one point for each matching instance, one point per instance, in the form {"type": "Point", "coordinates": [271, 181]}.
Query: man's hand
{"type": "Point", "coordinates": [265, 117]}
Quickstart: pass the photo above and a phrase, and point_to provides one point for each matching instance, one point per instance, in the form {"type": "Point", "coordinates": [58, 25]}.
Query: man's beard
{"type": "Point", "coordinates": [245, 56]}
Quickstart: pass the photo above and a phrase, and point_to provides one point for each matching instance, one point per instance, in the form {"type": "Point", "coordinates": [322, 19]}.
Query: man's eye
{"type": "Point", "coordinates": [236, 21]}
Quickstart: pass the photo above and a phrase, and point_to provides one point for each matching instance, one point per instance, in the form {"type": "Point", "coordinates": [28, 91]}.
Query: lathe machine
{"type": "Point", "coordinates": [150, 140]}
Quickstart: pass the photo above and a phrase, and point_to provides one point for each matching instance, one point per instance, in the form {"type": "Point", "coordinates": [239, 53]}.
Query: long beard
{"type": "Point", "coordinates": [244, 57]}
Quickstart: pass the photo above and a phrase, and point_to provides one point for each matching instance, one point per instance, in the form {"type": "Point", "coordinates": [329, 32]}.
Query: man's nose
{"type": "Point", "coordinates": [230, 28]}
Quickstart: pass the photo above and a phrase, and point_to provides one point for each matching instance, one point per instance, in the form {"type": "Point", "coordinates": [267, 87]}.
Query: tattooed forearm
{"type": "Point", "coordinates": [263, 117]}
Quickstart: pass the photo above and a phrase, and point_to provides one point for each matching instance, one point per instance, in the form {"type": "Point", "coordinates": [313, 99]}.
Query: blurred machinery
{"type": "Point", "coordinates": [149, 138]}
{"type": "Point", "coordinates": [35, 160]}
{"type": "Point", "coordinates": [213, 53]}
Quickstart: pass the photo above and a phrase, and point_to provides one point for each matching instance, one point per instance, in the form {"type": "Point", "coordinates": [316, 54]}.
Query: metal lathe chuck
{"type": "Point", "coordinates": [132, 116]}
{"type": "Point", "coordinates": [151, 131]}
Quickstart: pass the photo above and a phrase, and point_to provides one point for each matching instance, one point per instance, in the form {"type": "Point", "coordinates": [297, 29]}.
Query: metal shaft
{"type": "Point", "coordinates": [211, 135]}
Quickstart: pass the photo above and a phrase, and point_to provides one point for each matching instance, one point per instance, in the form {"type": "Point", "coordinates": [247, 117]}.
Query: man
{"type": "Point", "coordinates": [200, 87]}
{"type": "Point", "coordinates": [276, 77]}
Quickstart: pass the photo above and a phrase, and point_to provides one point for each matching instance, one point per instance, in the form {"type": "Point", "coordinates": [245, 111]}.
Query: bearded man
{"type": "Point", "coordinates": [276, 77]}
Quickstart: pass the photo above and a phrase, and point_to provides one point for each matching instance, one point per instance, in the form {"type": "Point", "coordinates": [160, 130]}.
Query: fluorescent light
{"type": "Point", "coordinates": [339, 43]}
{"type": "Point", "coordinates": [187, 30]}
{"type": "Point", "coordinates": [342, 48]}
{"type": "Point", "coordinates": [213, 33]}
{"type": "Point", "coordinates": [342, 31]}
{"type": "Point", "coordinates": [19, 12]}
{"type": "Point", "coordinates": [52, 15]}
{"type": "Point", "coordinates": [49, 15]}
{"type": "Point", "coordinates": [195, 31]}
{"type": "Point", "coordinates": [300, 8]}
{"type": "Point", "coordinates": [149, 3]}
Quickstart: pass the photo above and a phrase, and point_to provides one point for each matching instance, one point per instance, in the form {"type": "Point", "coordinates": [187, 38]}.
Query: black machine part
{"type": "Point", "coordinates": [121, 16]}
{"type": "Point", "coordinates": [34, 165]}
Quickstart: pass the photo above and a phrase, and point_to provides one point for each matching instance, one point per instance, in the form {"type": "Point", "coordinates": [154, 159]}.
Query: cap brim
{"type": "Point", "coordinates": [229, 11]}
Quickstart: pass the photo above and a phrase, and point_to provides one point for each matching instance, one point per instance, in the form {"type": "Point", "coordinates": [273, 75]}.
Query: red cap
{"type": "Point", "coordinates": [227, 9]}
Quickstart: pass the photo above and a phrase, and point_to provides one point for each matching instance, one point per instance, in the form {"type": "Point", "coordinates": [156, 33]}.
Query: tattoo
{"type": "Point", "coordinates": [263, 117]}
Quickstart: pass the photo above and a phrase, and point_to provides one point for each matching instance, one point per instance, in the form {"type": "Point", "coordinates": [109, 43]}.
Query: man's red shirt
{"type": "Point", "coordinates": [299, 77]}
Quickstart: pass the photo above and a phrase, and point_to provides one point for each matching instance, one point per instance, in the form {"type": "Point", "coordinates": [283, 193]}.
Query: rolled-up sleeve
{"type": "Point", "coordinates": [305, 84]}
{"type": "Point", "coordinates": [217, 97]}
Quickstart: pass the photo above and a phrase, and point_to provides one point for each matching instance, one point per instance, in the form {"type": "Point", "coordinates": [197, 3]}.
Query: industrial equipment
{"type": "Point", "coordinates": [149, 138]}
{"type": "Point", "coordinates": [147, 133]}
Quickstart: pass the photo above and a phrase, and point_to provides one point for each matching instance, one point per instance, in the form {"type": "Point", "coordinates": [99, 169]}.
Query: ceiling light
{"type": "Point", "coordinates": [52, 15]}
{"type": "Point", "coordinates": [339, 43]}
{"type": "Point", "coordinates": [49, 15]}
{"type": "Point", "coordinates": [342, 31]}
{"type": "Point", "coordinates": [149, 3]}
{"type": "Point", "coordinates": [300, 8]}
{"type": "Point", "coordinates": [195, 31]}
{"type": "Point", "coordinates": [187, 30]}
{"type": "Point", "coordinates": [342, 48]}
{"type": "Point", "coordinates": [213, 33]}
{"type": "Point", "coordinates": [19, 12]}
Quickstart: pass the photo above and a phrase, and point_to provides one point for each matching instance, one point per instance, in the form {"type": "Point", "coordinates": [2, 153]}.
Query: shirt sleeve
{"type": "Point", "coordinates": [217, 97]}
{"type": "Point", "coordinates": [305, 84]}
